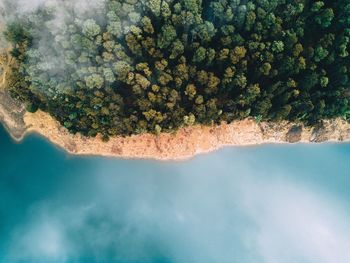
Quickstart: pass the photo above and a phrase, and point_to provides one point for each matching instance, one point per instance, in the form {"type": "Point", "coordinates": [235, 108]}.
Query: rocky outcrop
{"type": "Point", "coordinates": [294, 134]}
{"type": "Point", "coordinates": [11, 115]}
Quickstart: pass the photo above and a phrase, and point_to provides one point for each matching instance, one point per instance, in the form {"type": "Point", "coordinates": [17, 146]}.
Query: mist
{"type": "Point", "coordinates": [268, 204]}
{"type": "Point", "coordinates": [46, 50]}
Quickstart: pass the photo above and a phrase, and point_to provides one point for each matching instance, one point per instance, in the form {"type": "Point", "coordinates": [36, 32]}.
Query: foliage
{"type": "Point", "coordinates": [157, 65]}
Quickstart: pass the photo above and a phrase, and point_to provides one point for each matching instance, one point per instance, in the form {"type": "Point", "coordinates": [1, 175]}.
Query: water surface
{"type": "Point", "coordinates": [286, 203]}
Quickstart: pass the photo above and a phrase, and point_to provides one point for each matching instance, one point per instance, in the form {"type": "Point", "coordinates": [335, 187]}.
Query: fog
{"type": "Point", "coordinates": [51, 66]}
{"type": "Point", "coordinates": [46, 51]}
{"type": "Point", "coordinates": [26, 7]}
{"type": "Point", "coordinates": [263, 204]}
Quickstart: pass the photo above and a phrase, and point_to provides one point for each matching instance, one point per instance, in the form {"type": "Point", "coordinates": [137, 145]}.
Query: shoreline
{"type": "Point", "coordinates": [182, 145]}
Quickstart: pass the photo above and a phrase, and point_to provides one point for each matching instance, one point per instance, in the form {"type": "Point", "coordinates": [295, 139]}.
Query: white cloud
{"type": "Point", "coordinates": [200, 211]}
{"type": "Point", "coordinates": [42, 240]}
{"type": "Point", "coordinates": [297, 225]}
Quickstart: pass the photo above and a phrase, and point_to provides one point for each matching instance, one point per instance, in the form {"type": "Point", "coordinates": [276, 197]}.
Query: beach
{"type": "Point", "coordinates": [183, 144]}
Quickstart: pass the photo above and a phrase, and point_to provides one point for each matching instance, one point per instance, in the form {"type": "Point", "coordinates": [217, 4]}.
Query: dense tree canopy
{"type": "Point", "coordinates": [157, 65]}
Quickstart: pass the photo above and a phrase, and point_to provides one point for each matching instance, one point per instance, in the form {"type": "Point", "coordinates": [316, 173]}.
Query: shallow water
{"type": "Point", "coordinates": [286, 203]}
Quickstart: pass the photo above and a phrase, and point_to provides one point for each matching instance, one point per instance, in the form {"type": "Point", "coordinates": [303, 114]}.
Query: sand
{"type": "Point", "coordinates": [185, 143]}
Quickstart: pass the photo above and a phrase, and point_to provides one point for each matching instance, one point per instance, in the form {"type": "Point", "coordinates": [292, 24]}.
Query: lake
{"type": "Point", "coordinates": [272, 203]}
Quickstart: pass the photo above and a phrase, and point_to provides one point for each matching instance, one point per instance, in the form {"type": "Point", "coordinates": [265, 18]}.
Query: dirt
{"type": "Point", "coordinates": [187, 142]}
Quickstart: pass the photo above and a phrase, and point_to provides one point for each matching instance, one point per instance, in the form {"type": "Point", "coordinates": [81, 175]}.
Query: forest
{"type": "Point", "coordinates": [131, 66]}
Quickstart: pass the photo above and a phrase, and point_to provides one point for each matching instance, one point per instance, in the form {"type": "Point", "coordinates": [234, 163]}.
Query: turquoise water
{"type": "Point", "coordinates": [254, 204]}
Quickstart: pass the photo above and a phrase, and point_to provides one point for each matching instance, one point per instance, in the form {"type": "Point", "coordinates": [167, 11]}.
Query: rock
{"type": "Point", "coordinates": [320, 133]}
{"type": "Point", "coordinates": [294, 134]}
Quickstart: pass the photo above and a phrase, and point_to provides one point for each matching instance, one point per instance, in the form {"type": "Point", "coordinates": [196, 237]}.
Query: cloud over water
{"type": "Point", "coordinates": [236, 205]}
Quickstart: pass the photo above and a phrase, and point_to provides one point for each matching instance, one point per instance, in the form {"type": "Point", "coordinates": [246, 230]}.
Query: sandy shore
{"type": "Point", "coordinates": [185, 143]}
